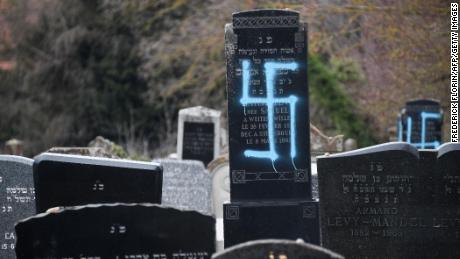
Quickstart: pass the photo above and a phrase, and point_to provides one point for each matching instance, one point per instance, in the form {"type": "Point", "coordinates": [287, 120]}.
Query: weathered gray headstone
{"type": "Point", "coordinates": [116, 231]}
{"type": "Point", "coordinates": [391, 201]}
{"type": "Point", "coordinates": [276, 249]}
{"type": "Point", "coordinates": [198, 134]}
{"type": "Point", "coordinates": [17, 198]}
{"type": "Point", "coordinates": [186, 185]}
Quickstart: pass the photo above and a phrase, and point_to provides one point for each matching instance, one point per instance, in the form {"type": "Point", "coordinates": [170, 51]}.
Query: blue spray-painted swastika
{"type": "Point", "coordinates": [270, 101]}
{"type": "Point", "coordinates": [425, 116]}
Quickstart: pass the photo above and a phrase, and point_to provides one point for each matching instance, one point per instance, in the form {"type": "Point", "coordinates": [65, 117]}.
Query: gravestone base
{"type": "Point", "coordinates": [247, 221]}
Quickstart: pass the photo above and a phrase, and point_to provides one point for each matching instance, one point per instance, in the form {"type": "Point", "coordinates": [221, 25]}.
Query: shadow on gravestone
{"type": "Point", "coordinates": [186, 185]}
{"type": "Point", "coordinates": [70, 180]}
{"type": "Point", "coordinates": [17, 198]}
{"type": "Point", "coordinates": [116, 231]}
{"type": "Point", "coordinates": [276, 249]}
{"type": "Point", "coordinates": [391, 201]}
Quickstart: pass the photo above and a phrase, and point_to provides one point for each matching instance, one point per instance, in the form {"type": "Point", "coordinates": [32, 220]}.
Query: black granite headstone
{"type": "Point", "coordinates": [387, 201]}
{"type": "Point", "coordinates": [420, 123]}
{"type": "Point", "coordinates": [17, 198]}
{"type": "Point", "coordinates": [276, 249]}
{"type": "Point", "coordinates": [246, 221]}
{"type": "Point", "coordinates": [268, 119]}
{"type": "Point", "coordinates": [69, 180]}
{"type": "Point", "coordinates": [268, 105]}
{"type": "Point", "coordinates": [116, 231]}
{"type": "Point", "coordinates": [198, 143]}
{"type": "Point", "coordinates": [446, 211]}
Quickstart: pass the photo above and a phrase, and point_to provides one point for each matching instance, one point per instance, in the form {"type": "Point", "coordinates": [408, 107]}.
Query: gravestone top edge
{"type": "Point", "coordinates": [200, 111]}
{"type": "Point", "coordinates": [265, 18]}
{"type": "Point", "coordinates": [180, 161]}
{"type": "Point", "coordinates": [18, 159]}
{"type": "Point", "coordinates": [423, 101]}
{"type": "Point", "coordinates": [100, 161]}
{"type": "Point", "coordinates": [266, 12]}
{"type": "Point", "coordinates": [269, 203]}
{"type": "Point", "coordinates": [107, 205]}
{"type": "Point", "coordinates": [391, 146]}
{"type": "Point", "coordinates": [447, 147]}
{"type": "Point", "coordinates": [262, 242]}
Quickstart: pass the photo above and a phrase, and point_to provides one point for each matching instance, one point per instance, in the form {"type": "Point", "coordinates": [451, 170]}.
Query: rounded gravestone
{"type": "Point", "coordinates": [138, 230]}
{"type": "Point", "coordinates": [220, 173]}
{"type": "Point", "coordinates": [17, 199]}
{"type": "Point", "coordinates": [276, 249]}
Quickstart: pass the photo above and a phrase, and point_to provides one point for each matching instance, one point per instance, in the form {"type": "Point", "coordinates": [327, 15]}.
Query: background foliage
{"type": "Point", "coordinates": [123, 69]}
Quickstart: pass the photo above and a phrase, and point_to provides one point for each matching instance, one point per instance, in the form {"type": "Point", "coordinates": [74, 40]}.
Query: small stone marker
{"type": "Point", "coordinates": [14, 147]}
{"type": "Point", "coordinates": [198, 135]}
{"type": "Point", "coordinates": [116, 231]}
{"type": "Point", "coordinates": [186, 185]}
{"type": "Point", "coordinates": [391, 201]}
{"type": "Point", "coordinates": [350, 144]}
{"type": "Point", "coordinates": [70, 180]}
{"type": "Point", "coordinates": [276, 249]}
{"type": "Point", "coordinates": [420, 123]}
{"type": "Point", "coordinates": [269, 129]}
{"type": "Point", "coordinates": [17, 198]}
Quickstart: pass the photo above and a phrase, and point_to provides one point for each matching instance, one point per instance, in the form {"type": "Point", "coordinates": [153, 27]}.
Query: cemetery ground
{"type": "Point", "coordinates": [285, 165]}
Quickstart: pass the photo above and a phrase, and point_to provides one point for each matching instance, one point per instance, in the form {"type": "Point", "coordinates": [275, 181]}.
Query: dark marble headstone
{"type": "Point", "coordinates": [276, 249]}
{"type": "Point", "coordinates": [269, 130]}
{"type": "Point", "coordinates": [389, 201]}
{"type": "Point", "coordinates": [17, 198]}
{"type": "Point", "coordinates": [70, 180]}
{"type": "Point", "coordinates": [420, 123]}
{"type": "Point", "coordinates": [116, 231]}
{"type": "Point", "coordinates": [268, 105]}
{"type": "Point", "coordinates": [446, 218]}
{"type": "Point", "coordinates": [271, 220]}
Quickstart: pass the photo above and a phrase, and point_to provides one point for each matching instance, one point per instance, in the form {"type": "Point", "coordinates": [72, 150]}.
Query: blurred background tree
{"type": "Point", "coordinates": [123, 69]}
